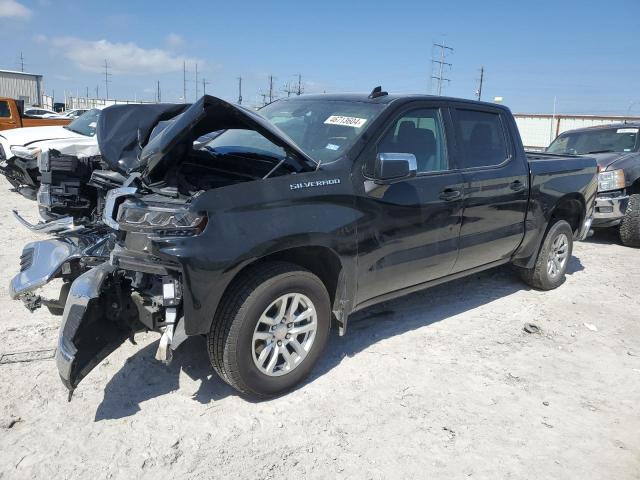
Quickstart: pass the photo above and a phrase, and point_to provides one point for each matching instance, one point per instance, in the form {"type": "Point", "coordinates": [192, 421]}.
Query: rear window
{"type": "Point", "coordinates": [482, 138]}
{"type": "Point", "coordinates": [4, 110]}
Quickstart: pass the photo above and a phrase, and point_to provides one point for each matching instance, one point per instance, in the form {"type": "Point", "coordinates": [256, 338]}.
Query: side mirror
{"type": "Point", "coordinates": [393, 167]}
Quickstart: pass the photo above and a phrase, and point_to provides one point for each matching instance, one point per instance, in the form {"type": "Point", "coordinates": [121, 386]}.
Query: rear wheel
{"type": "Point", "coordinates": [630, 225]}
{"type": "Point", "coordinates": [551, 265]}
{"type": "Point", "coordinates": [270, 329]}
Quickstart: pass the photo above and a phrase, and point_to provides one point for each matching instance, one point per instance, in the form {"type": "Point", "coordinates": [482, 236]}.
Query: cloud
{"type": "Point", "coordinates": [123, 58]}
{"type": "Point", "coordinates": [13, 9]}
{"type": "Point", "coordinates": [174, 40]}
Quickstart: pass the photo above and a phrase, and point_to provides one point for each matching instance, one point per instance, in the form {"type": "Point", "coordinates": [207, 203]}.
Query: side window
{"type": "Point", "coordinates": [4, 110]}
{"type": "Point", "coordinates": [419, 132]}
{"type": "Point", "coordinates": [482, 138]}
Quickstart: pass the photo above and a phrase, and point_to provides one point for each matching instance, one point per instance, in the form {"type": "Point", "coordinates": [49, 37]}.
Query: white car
{"type": "Point", "coordinates": [20, 147]}
{"type": "Point", "coordinates": [39, 112]}
{"type": "Point", "coordinates": [75, 113]}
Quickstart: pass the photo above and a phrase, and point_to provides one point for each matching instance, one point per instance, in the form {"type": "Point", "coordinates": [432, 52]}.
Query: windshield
{"type": "Point", "coordinates": [323, 129]}
{"type": "Point", "coordinates": [596, 141]}
{"type": "Point", "coordinates": [86, 123]}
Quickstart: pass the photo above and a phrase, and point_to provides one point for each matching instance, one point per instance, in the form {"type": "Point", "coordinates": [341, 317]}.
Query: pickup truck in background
{"type": "Point", "coordinates": [616, 148]}
{"type": "Point", "coordinates": [12, 116]}
{"type": "Point", "coordinates": [288, 220]}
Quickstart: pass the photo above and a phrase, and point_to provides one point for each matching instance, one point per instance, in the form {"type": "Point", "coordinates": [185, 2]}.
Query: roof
{"type": "Point", "coordinates": [15, 72]}
{"type": "Point", "coordinates": [364, 97]}
{"type": "Point", "coordinates": [608, 126]}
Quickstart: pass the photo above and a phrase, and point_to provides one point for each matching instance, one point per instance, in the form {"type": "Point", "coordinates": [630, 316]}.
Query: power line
{"type": "Point", "coordinates": [441, 65]}
{"type": "Point", "coordinates": [481, 80]}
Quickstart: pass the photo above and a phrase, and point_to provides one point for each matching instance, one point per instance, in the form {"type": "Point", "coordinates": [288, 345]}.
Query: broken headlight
{"type": "Point", "coordinates": [27, 153]}
{"type": "Point", "coordinates": [163, 221]}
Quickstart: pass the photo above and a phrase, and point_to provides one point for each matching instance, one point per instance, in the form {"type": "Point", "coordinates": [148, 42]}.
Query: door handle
{"type": "Point", "coordinates": [517, 186]}
{"type": "Point", "coordinates": [449, 194]}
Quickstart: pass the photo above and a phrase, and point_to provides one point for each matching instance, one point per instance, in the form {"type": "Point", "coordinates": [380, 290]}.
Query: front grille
{"type": "Point", "coordinates": [26, 259]}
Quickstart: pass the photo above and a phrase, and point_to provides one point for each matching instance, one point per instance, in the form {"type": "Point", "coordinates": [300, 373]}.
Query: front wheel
{"type": "Point", "coordinates": [270, 329]}
{"type": "Point", "coordinates": [551, 265]}
{"type": "Point", "coordinates": [630, 225]}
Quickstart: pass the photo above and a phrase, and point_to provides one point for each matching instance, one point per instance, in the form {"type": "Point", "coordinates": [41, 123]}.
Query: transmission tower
{"type": "Point", "coordinates": [239, 90]}
{"type": "Point", "coordinates": [106, 77]}
{"type": "Point", "coordinates": [440, 63]}
{"type": "Point", "coordinates": [21, 62]}
{"type": "Point", "coordinates": [205, 82]}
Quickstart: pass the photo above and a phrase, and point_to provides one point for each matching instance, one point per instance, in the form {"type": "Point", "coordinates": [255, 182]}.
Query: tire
{"type": "Point", "coordinates": [630, 225]}
{"type": "Point", "coordinates": [257, 295]}
{"type": "Point", "coordinates": [542, 276]}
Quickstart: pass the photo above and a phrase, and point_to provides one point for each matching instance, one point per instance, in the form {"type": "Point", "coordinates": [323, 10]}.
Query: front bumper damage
{"type": "Point", "coordinates": [103, 310]}
{"type": "Point", "coordinates": [62, 257]}
{"type": "Point", "coordinates": [97, 319]}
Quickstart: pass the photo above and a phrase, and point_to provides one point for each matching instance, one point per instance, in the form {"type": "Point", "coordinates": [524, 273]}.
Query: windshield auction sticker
{"type": "Point", "coordinates": [622, 130]}
{"type": "Point", "coordinates": [345, 121]}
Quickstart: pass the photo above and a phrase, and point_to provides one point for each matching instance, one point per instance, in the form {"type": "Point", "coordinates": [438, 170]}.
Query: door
{"type": "Point", "coordinates": [409, 231]}
{"type": "Point", "coordinates": [7, 120]}
{"type": "Point", "coordinates": [496, 187]}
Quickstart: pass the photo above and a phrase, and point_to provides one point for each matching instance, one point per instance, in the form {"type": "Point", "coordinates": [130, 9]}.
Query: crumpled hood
{"type": "Point", "coordinates": [171, 140]}
{"type": "Point", "coordinates": [606, 160]}
{"type": "Point", "coordinates": [27, 136]}
{"type": "Point", "coordinates": [123, 130]}
{"type": "Point", "coordinates": [150, 138]}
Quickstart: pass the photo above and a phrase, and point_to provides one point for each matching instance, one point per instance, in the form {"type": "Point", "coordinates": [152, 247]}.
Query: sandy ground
{"type": "Point", "coordinates": [441, 384]}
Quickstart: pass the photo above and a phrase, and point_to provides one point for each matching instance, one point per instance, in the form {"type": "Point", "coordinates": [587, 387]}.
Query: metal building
{"type": "Point", "coordinates": [21, 86]}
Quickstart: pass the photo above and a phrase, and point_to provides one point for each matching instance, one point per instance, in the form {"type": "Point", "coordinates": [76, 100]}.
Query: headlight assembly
{"type": "Point", "coordinates": [611, 180]}
{"type": "Point", "coordinates": [26, 152]}
{"type": "Point", "coordinates": [162, 221]}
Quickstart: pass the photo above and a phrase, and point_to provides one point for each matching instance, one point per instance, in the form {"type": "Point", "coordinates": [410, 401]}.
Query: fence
{"type": "Point", "coordinates": [84, 102]}
{"type": "Point", "coordinates": [539, 130]}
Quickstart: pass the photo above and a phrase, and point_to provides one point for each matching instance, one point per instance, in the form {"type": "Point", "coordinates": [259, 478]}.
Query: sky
{"type": "Point", "coordinates": [585, 54]}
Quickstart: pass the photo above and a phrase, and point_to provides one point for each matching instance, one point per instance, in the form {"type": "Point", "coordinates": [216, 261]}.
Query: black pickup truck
{"type": "Point", "coordinates": [284, 222]}
{"type": "Point", "coordinates": [616, 148]}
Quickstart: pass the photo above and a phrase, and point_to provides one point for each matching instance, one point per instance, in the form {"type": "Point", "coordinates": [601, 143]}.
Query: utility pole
{"type": "Point", "coordinates": [289, 89]}
{"type": "Point", "coordinates": [239, 90]}
{"type": "Point", "coordinates": [97, 91]}
{"type": "Point", "coordinates": [205, 82]}
{"type": "Point", "coordinates": [21, 62]}
{"type": "Point", "coordinates": [184, 82]}
{"type": "Point", "coordinates": [196, 81]}
{"type": "Point", "coordinates": [270, 88]}
{"type": "Point", "coordinates": [441, 65]}
{"type": "Point", "coordinates": [106, 77]}
{"type": "Point", "coordinates": [87, 92]}
{"type": "Point", "coordinates": [479, 91]}
{"type": "Point", "coordinates": [158, 94]}
{"type": "Point", "coordinates": [300, 88]}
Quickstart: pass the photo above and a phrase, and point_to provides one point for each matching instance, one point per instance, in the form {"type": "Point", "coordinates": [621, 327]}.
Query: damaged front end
{"type": "Point", "coordinates": [121, 255]}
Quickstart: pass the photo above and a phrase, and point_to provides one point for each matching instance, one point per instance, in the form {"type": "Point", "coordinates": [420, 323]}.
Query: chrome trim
{"type": "Point", "coordinates": [43, 260]}
{"type": "Point", "coordinates": [617, 204]}
{"type": "Point", "coordinates": [57, 226]}
{"type": "Point", "coordinates": [109, 213]}
{"type": "Point", "coordinates": [583, 233]}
